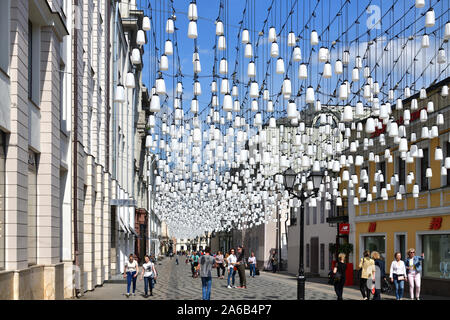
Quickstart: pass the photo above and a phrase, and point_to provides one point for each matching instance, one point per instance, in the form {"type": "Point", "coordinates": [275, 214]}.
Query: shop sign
{"type": "Point", "coordinates": [435, 223]}
{"type": "Point", "coordinates": [372, 226]}
{"type": "Point", "coordinates": [344, 228]}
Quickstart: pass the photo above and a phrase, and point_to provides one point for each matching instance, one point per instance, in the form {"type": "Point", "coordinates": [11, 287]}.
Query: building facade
{"type": "Point", "coordinates": [74, 197]}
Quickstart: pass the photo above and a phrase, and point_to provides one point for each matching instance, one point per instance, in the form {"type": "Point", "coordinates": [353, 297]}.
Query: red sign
{"type": "Point", "coordinates": [435, 223]}
{"type": "Point", "coordinates": [372, 226]}
{"type": "Point", "coordinates": [344, 228]}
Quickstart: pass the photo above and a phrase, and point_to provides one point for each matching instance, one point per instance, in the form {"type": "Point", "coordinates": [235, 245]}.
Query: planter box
{"type": "Point", "coordinates": [348, 273]}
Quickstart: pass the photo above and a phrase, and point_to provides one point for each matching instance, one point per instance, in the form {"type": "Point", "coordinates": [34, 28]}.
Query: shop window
{"type": "Point", "coordinates": [2, 199]}
{"type": "Point", "coordinates": [322, 256]}
{"type": "Point", "coordinates": [436, 248]}
{"type": "Point", "coordinates": [32, 207]}
{"type": "Point", "coordinates": [375, 243]}
{"type": "Point", "coordinates": [307, 255]}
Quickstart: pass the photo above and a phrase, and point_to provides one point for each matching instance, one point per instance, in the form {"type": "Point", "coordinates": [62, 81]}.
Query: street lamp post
{"type": "Point", "coordinates": [289, 181]}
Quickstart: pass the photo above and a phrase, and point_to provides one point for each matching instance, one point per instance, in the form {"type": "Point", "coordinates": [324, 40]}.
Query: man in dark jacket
{"type": "Point", "coordinates": [240, 264]}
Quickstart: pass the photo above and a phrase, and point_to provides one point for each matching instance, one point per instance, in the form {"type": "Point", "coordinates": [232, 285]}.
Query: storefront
{"type": "Point", "coordinates": [430, 235]}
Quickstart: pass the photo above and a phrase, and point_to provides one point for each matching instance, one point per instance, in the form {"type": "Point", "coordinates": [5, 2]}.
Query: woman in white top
{"type": "Point", "coordinates": [231, 261]}
{"type": "Point", "coordinates": [131, 271]}
{"type": "Point", "coordinates": [149, 274]}
{"type": "Point", "coordinates": [398, 275]}
{"type": "Point", "coordinates": [252, 264]}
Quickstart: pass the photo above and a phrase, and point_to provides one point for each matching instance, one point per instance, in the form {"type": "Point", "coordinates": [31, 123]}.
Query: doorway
{"type": "Point", "coordinates": [315, 255]}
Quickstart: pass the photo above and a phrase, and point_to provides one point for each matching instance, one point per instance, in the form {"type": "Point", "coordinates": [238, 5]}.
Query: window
{"type": "Point", "coordinates": [375, 243]}
{"type": "Point", "coordinates": [4, 34]}
{"type": "Point", "coordinates": [401, 171]}
{"type": "Point", "coordinates": [306, 212]}
{"type": "Point", "coordinates": [2, 199]}
{"type": "Point", "coordinates": [32, 207]}
{"type": "Point", "coordinates": [293, 216]}
{"type": "Point", "coordinates": [307, 255]}
{"type": "Point", "coordinates": [62, 97]}
{"type": "Point", "coordinates": [423, 170]}
{"type": "Point", "coordinates": [322, 256]}
{"type": "Point", "coordinates": [436, 248]}
{"type": "Point", "coordinates": [314, 212]}
{"type": "Point", "coordinates": [330, 255]}
{"type": "Point", "coordinates": [381, 168]}
{"type": "Point", "coordinates": [33, 62]}
{"type": "Point", "coordinates": [113, 227]}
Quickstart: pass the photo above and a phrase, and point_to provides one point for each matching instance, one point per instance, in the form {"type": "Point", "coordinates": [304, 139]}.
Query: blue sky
{"type": "Point", "coordinates": [325, 15]}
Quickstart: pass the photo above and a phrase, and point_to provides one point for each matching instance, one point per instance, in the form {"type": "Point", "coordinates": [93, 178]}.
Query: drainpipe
{"type": "Point", "coordinates": [75, 143]}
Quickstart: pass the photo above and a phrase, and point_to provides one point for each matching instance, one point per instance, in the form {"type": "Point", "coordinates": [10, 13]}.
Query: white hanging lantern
{"type": "Point", "coordinates": [438, 155]}
{"type": "Point", "coordinates": [359, 110]}
{"type": "Point", "coordinates": [227, 103]}
{"type": "Point", "coordinates": [423, 94]}
{"type": "Point", "coordinates": [302, 71]}
{"type": "Point", "coordinates": [221, 43]}
{"type": "Point", "coordinates": [168, 48]}
{"type": "Point", "coordinates": [314, 38]}
{"type": "Point", "coordinates": [192, 30]}
{"type": "Point", "coordinates": [420, 3]}
{"type": "Point", "coordinates": [327, 73]}
{"type": "Point", "coordinates": [258, 119]}
{"type": "Point", "coordinates": [346, 57]}
{"type": "Point", "coordinates": [425, 41]}
{"type": "Point", "coordinates": [343, 92]}
{"type": "Point", "coordinates": [441, 58]}
{"type": "Point", "coordinates": [248, 52]}
{"type": "Point", "coordinates": [130, 82]}
{"type": "Point", "coordinates": [140, 37]}
{"type": "Point", "coordinates": [170, 28]}
{"type": "Point", "coordinates": [254, 90]}
{"type": "Point", "coordinates": [192, 11]}
{"type": "Point", "coordinates": [280, 66]}
{"type": "Point", "coordinates": [224, 86]}
{"type": "Point", "coordinates": [440, 119]}
{"type": "Point", "coordinates": [444, 91]}
{"type": "Point", "coordinates": [146, 26]}
{"type": "Point", "coordinates": [348, 114]}
{"type": "Point", "coordinates": [164, 63]}
{"type": "Point", "coordinates": [338, 67]}
{"type": "Point", "coordinates": [251, 70]}
{"type": "Point", "coordinates": [291, 39]}
{"type": "Point", "coordinates": [272, 34]}
{"type": "Point", "coordinates": [245, 36]}
{"type": "Point", "coordinates": [197, 66]}
{"type": "Point", "coordinates": [236, 106]}
{"type": "Point", "coordinates": [310, 95]}
{"type": "Point", "coordinates": [274, 51]}
{"type": "Point", "coordinates": [287, 88]}
{"type": "Point", "coordinates": [291, 110]}
{"type": "Point", "coordinates": [270, 106]}
{"type": "Point", "coordinates": [223, 66]}
{"type": "Point", "coordinates": [120, 94]}
{"type": "Point", "coordinates": [370, 125]}
{"type": "Point", "coordinates": [254, 105]}
{"type": "Point", "coordinates": [430, 18]}
{"type": "Point", "coordinates": [323, 54]}
{"type": "Point", "coordinates": [297, 54]}
{"type": "Point", "coordinates": [219, 28]}
{"type": "Point", "coordinates": [155, 104]}
{"type": "Point", "coordinates": [194, 106]}
{"type": "Point", "coordinates": [160, 86]}
{"type": "Point", "coordinates": [447, 31]}
{"type": "Point", "coordinates": [136, 56]}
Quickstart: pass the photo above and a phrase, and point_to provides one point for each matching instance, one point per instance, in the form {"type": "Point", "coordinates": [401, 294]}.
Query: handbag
{"type": "Point", "coordinates": [235, 268]}
{"type": "Point", "coordinates": [257, 272]}
{"type": "Point", "coordinates": [400, 278]}
{"type": "Point", "coordinates": [331, 277]}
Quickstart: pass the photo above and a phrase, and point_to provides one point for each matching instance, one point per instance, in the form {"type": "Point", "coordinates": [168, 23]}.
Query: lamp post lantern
{"type": "Point", "coordinates": [289, 180]}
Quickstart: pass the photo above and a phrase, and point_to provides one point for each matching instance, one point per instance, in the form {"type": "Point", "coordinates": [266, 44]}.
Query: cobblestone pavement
{"type": "Point", "coordinates": [176, 283]}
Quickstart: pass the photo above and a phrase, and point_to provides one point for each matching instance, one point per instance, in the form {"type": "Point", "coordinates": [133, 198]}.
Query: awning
{"type": "Point", "coordinates": [123, 226]}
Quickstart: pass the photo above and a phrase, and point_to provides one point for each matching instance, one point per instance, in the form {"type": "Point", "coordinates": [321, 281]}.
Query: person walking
{"type": "Point", "coordinates": [274, 261]}
{"type": "Point", "coordinates": [367, 271]}
{"type": "Point", "coordinates": [194, 262]}
{"type": "Point", "coordinates": [240, 264]}
{"type": "Point", "coordinates": [252, 264]}
{"type": "Point", "coordinates": [231, 261]}
{"type": "Point", "coordinates": [380, 274]}
{"type": "Point", "coordinates": [413, 270]}
{"type": "Point", "coordinates": [148, 274]}
{"type": "Point", "coordinates": [130, 272]}
{"type": "Point", "coordinates": [339, 275]}
{"type": "Point", "coordinates": [207, 262]}
{"type": "Point", "coordinates": [220, 264]}
{"type": "Point", "coordinates": [397, 275]}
